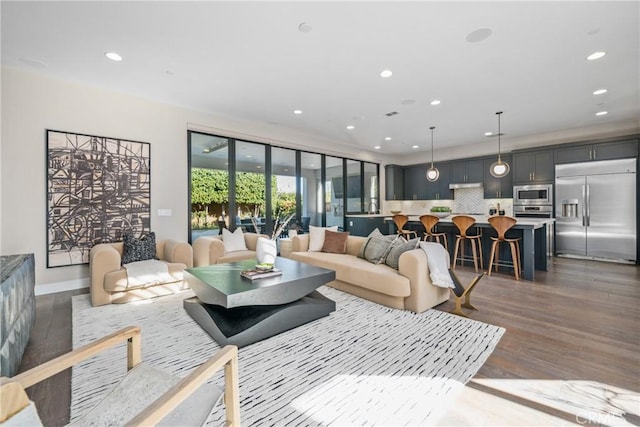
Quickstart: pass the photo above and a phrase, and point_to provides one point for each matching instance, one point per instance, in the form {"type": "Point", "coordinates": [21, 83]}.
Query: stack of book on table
{"type": "Point", "coordinates": [256, 273]}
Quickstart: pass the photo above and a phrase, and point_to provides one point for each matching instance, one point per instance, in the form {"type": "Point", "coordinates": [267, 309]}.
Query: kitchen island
{"type": "Point", "coordinates": [533, 233]}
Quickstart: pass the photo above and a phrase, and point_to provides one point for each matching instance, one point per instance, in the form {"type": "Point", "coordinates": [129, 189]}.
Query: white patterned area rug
{"type": "Point", "coordinates": [365, 364]}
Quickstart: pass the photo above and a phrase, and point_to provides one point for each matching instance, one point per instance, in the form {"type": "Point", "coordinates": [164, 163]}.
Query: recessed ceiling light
{"type": "Point", "coordinates": [297, 111]}
{"type": "Point", "coordinates": [387, 138]}
{"type": "Point", "coordinates": [386, 73]}
{"type": "Point", "coordinates": [596, 55]}
{"type": "Point", "coordinates": [602, 113]}
{"type": "Point", "coordinates": [488, 133]}
{"type": "Point", "coordinates": [478, 35]}
{"type": "Point", "coordinates": [350, 127]}
{"type": "Point", "coordinates": [305, 28]}
{"type": "Point", "coordinates": [113, 56]}
{"type": "Point", "coordinates": [435, 102]}
{"type": "Point", "coordinates": [415, 146]}
{"type": "Point", "coordinates": [33, 62]}
{"type": "Point", "coordinates": [599, 91]}
{"type": "Point", "coordinates": [377, 147]}
{"type": "Point", "coordinates": [248, 156]}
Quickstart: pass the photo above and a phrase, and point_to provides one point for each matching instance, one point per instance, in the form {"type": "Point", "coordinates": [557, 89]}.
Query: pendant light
{"type": "Point", "coordinates": [499, 169]}
{"type": "Point", "coordinates": [432, 173]}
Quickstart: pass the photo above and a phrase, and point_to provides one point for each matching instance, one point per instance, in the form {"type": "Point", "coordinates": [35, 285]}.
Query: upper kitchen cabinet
{"type": "Point", "coordinates": [533, 166]}
{"type": "Point", "coordinates": [497, 188]}
{"type": "Point", "coordinates": [415, 181]}
{"type": "Point", "coordinates": [466, 171]}
{"type": "Point", "coordinates": [598, 151]}
{"type": "Point", "coordinates": [394, 182]}
{"type": "Point", "coordinates": [416, 186]}
{"type": "Point", "coordinates": [439, 190]}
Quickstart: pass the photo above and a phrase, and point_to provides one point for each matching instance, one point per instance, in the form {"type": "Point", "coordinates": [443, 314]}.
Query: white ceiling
{"type": "Point", "coordinates": [249, 60]}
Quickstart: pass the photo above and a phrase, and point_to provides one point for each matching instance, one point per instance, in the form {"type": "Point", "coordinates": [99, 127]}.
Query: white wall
{"type": "Point", "coordinates": [32, 103]}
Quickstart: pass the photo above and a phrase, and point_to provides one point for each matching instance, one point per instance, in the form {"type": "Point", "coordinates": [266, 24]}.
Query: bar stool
{"type": "Point", "coordinates": [429, 222]}
{"type": "Point", "coordinates": [400, 220]}
{"type": "Point", "coordinates": [501, 224]}
{"type": "Point", "coordinates": [463, 222]}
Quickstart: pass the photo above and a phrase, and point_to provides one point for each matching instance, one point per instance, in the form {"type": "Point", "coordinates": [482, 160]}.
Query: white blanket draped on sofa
{"type": "Point", "coordinates": [145, 273]}
{"type": "Point", "coordinates": [438, 260]}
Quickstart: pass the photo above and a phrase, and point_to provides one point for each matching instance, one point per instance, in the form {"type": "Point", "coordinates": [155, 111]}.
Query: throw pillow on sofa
{"type": "Point", "coordinates": [233, 242]}
{"type": "Point", "coordinates": [374, 233]}
{"type": "Point", "coordinates": [335, 242]}
{"type": "Point", "coordinates": [377, 248]}
{"type": "Point", "coordinates": [142, 249]}
{"type": "Point", "coordinates": [398, 248]}
{"type": "Point", "coordinates": [316, 237]}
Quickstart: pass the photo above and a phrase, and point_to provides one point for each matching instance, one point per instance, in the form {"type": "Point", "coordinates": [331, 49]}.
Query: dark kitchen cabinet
{"type": "Point", "coordinates": [497, 188]}
{"type": "Point", "coordinates": [466, 171]}
{"type": "Point", "coordinates": [394, 182]}
{"type": "Point", "coordinates": [533, 167]}
{"type": "Point", "coordinates": [364, 225]}
{"type": "Point", "coordinates": [416, 186]}
{"type": "Point", "coordinates": [599, 151]}
{"type": "Point", "coordinates": [415, 182]}
{"type": "Point", "coordinates": [439, 190]}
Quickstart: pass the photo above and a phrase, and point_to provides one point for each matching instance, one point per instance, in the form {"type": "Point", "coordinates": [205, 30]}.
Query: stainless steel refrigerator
{"type": "Point", "coordinates": [596, 209]}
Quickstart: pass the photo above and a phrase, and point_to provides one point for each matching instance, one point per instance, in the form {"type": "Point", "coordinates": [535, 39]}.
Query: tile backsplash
{"type": "Point", "coordinates": [466, 200]}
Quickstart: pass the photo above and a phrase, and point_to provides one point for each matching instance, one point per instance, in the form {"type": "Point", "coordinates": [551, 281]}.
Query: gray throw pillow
{"type": "Point", "coordinates": [398, 248]}
{"type": "Point", "coordinates": [140, 249]}
{"type": "Point", "coordinates": [374, 233]}
{"type": "Point", "coordinates": [378, 247]}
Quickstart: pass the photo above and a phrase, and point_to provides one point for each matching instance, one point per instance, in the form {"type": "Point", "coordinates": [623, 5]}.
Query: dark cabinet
{"type": "Point", "coordinates": [416, 186]}
{"type": "Point", "coordinates": [497, 188]}
{"type": "Point", "coordinates": [363, 226]}
{"type": "Point", "coordinates": [415, 182]}
{"type": "Point", "coordinates": [439, 190]}
{"type": "Point", "coordinates": [600, 151]}
{"type": "Point", "coordinates": [394, 182]}
{"type": "Point", "coordinates": [466, 171]}
{"type": "Point", "coordinates": [533, 166]}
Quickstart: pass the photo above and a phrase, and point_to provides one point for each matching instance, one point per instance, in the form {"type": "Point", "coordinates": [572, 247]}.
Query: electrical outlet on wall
{"type": "Point", "coordinates": [165, 212]}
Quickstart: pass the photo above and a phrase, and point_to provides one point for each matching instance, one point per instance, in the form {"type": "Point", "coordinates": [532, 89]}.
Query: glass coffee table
{"type": "Point", "coordinates": [240, 311]}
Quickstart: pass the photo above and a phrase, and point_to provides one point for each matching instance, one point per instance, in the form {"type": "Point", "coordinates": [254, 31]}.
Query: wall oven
{"type": "Point", "coordinates": [533, 195]}
{"type": "Point", "coordinates": [536, 201]}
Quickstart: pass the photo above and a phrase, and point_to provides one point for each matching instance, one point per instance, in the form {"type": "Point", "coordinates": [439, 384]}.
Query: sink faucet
{"type": "Point", "coordinates": [372, 207]}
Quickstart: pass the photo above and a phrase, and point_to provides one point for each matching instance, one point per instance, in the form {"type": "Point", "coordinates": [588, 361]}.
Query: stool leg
{"type": "Point", "coordinates": [455, 254]}
{"type": "Point", "coordinates": [518, 254]}
{"type": "Point", "coordinates": [492, 256]}
{"type": "Point", "coordinates": [480, 249]}
{"type": "Point", "coordinates": [514, 258]}
{"type": "Point", "coordinates": [446, 244]}
{"type": "Point", "coordinates": [474, 253]}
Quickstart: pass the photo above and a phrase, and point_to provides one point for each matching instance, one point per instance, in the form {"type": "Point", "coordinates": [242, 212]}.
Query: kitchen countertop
{"type": "Point", "coordinates": [480, 219]}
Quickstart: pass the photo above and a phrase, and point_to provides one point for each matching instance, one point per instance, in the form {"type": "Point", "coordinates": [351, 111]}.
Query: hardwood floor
{"type": "Point", "coordinates": [578, 321]}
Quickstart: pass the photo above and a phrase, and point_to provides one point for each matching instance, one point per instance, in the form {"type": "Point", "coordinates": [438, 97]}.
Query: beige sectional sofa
{"type": "Point", "coordinates": [209, 250]}
{"type": "Point", "coordinates": [408, 288]}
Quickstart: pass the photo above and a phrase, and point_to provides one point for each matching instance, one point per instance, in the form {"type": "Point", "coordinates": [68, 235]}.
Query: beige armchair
{"type": "Point", "coordinates": [109, 280]}
{"type": "Point", "coordinates": [209, 250]}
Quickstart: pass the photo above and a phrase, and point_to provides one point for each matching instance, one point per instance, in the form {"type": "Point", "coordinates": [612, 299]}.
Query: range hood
{"type": "Point", "coordinates": [465, 185]}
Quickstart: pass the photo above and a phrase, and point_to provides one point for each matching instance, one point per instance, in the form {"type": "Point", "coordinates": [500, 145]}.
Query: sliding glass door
{"type": "Point", "coordinates": [235, 183]}
{"type": "Point", "coordinates": [209, 184]}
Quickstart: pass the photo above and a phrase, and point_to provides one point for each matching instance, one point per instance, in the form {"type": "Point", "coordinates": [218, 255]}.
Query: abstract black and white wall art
{"type": "Point", "coordinates": [98, 188]}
